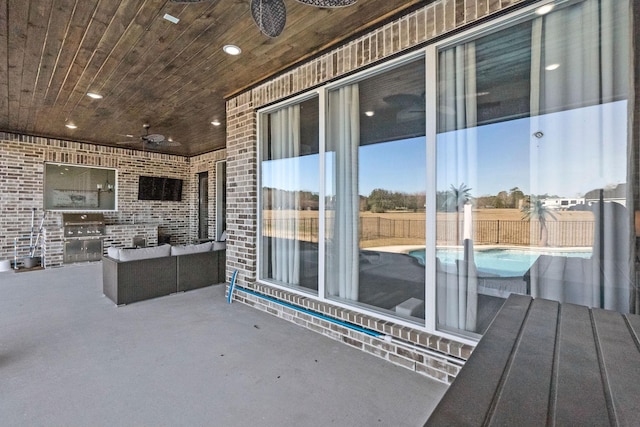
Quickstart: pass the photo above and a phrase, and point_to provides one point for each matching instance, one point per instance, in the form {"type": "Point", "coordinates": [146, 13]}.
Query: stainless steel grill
{"type": "Point", "coordinates": [83, 235]}
{"type": "Point", "coordinates": [83, 225]}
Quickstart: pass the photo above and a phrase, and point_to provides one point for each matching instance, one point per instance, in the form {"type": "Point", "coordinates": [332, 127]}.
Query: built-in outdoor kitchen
{"type": "Point", "coordinates": [84, 237]}
{"type": "Point", "coordinates": [86, 210]}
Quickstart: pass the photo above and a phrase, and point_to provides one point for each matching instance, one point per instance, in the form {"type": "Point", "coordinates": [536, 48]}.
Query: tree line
{"type": "Point", "coordinates": [381, 200]}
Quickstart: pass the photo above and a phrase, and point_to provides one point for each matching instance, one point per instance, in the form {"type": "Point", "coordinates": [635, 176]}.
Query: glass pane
{"type": "Point", "coordinates": [290, 183]}
{"type": "Point", "coordinates": [79, 188]}
{"type": "Point", "coordinates": [531, 167]}
{"type": "Point", "coordinates": [375, 201]}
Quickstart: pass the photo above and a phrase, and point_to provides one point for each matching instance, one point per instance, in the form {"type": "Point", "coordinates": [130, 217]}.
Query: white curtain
{"type": "Point", "coordinates": [285, 243]}
{"type": "Point", "coordinates": [578, 127]}
{"type": "Point", "coordinates": [342, 144]}
{"type": "Point", "coordinates": [457, 156]}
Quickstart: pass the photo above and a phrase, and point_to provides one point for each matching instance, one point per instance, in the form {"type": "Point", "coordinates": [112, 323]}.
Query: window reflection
{"type": "Point", "coordinates": [531, 166]}
{"type": "Point", "coordinates": [79, 188]}
{"type": "Point", "coordinates": [289, 200]}
{"type": "Point", "coordinates": [375, 183]}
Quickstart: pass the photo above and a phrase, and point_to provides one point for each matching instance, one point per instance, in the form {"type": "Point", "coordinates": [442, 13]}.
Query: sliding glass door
{"type": "Point", "coordinates": [290, 182]}
{"type": "Point", "coordinates": [430, 188]}
{"type": "Point", "coordinates": [532, 165]}
{"type": "Point", "coordinates": [375, 191]}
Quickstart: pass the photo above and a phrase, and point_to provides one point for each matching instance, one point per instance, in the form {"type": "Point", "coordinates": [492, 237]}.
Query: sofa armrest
{"type": "Point", "coordinates": [110, 278]}
{"type": "Point", "coordinates": [222, 265]}
{"type": "Point", "coordinates": [125, 282]}
{"type": "Point", "coordinates": [217, 246]}
{"type": "Point", "coordinates": [198, 270]}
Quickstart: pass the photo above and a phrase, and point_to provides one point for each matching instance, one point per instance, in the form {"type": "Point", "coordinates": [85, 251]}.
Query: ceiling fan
{"type": "Point", "coordinates": [271, 15]}
{"type": "Point", "coordinates": [150, 140]}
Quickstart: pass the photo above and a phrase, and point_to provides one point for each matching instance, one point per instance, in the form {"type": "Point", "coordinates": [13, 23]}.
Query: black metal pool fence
{"type": "Point", "coordinates": [504, 232]}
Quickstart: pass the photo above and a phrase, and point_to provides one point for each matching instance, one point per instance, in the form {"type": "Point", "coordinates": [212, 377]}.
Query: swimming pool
{"type": "Point", "coordinates": [501, 262]}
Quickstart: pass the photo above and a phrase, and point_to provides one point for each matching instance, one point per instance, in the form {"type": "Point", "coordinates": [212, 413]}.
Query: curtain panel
{"type": "Point", "coordinates": [457, 146]}
{"type": "Point", "coordinates": [285, 205]}
{"type": "Point", "coordinates": [342, 236]}
{"type": "Point", "coordinates": [578, 105]}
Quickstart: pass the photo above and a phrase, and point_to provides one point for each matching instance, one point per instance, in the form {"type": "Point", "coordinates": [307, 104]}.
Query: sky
{"type": "Point", "coordinates": [383, 165]}
{"type": "Point", "coordinates": [579, 150]}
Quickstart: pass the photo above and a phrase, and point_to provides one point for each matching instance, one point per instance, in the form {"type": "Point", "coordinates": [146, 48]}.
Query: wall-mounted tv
{"type": "Point", "coordinates": [156, 188]}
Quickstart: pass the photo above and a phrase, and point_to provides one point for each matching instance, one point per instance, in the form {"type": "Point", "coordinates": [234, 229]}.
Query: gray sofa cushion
{"type": "Point", "coordinates": [219, 246]}
{"type": "Point", "coordinates": [191, 249]}
{"type": "Point", "coordinates": [145, 253]}
{"type": "Point", "coordinates": [113, 252]}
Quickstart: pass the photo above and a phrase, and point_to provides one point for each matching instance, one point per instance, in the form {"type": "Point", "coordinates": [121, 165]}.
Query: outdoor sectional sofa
{"type": "Point", "coordinates": [130, 275]}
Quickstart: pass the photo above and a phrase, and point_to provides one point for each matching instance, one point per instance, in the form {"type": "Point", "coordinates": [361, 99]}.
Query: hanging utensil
{"type": "Point", "coordinates": [33, 215]}
{"type": "Point", "coordinates": [35, 245]}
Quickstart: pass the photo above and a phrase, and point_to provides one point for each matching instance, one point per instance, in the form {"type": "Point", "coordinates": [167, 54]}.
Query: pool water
{"type": "Point", "coordinates": [501, 262]}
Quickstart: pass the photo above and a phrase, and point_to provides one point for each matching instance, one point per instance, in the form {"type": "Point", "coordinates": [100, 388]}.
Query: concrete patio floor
{"type": "Point", "coordinates": [70, 357]}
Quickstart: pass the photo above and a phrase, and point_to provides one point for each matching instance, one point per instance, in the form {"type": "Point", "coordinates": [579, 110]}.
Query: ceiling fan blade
{"type": "Point", "coordinates": [154, 138]}
{"type": "Point", "coordinates": [328, 3]}
{"type": "Point", "coordinates": [270, 16]}
{"type": "Point", "coordinates": [168, 142]}
{"type": "Point", "coordinates": [149, 140]}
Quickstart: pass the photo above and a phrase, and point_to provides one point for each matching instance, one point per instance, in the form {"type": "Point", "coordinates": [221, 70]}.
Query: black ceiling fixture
{"type": "Point", "coordinates": [271, 15]}
{"type": "Point", "coordinates": [328, 3]}
{"type": "Point", "coordinates": [153, 140]}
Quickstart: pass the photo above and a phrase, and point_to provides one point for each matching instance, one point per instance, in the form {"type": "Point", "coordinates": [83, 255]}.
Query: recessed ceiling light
{"type": "Point", "coordinates": [216, 122]}
{"type": "Point", "coordinates": [369, 113]}
{"type": "Point", "coordinates": [232, 49]}
{"type": "Point", "coordinates": [543, 10]}
{"type": "Point", "coordinates": [94, 95]}
{"type": "Point", "coordinates": [171, 18]}
{"type": "Point", "coordinates": [71, 126]}
{"type": "Point", "coordinates": [552, 67]}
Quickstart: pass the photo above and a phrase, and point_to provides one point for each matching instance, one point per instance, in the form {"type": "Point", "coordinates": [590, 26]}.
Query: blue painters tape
{"type": "Point", "coordinates": [312, 313]}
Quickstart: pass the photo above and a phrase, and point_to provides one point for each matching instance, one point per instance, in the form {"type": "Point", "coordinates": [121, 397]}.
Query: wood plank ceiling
{"type": "Point", "coordinates": [175, 77]}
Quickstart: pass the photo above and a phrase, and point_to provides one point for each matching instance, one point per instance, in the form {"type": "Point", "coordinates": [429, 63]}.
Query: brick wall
{"type": "Point", "coordinates": [410, 348]}
{"type": "Point", "coordinates": [241, 186]}
{"type": "Point", "coordinates": [428, 354]}
{"type": "Point", "coordinates": [22, 161]}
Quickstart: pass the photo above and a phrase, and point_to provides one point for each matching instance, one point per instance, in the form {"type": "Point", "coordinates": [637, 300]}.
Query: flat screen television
{"type": "Point", "coordinates": [156, 188]}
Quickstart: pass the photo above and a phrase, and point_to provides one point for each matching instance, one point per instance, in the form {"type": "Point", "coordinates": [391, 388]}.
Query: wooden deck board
{"type": "Point", "coordinates": [621, 365]}
{"type": "Point", "coordinates": [523, 399]}
{"type": "Point", "coordinates": [634, 324]}
{"type": "Point", "coordinates": [578, 382]}
{"type": "Point", "coordinates": [478, 381]}
{"type": "Point", "coordinates": [545, 363]}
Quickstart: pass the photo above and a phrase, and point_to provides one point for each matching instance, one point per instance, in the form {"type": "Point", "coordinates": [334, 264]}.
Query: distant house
{"type": "Point", "coordinates": [562, 204]}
